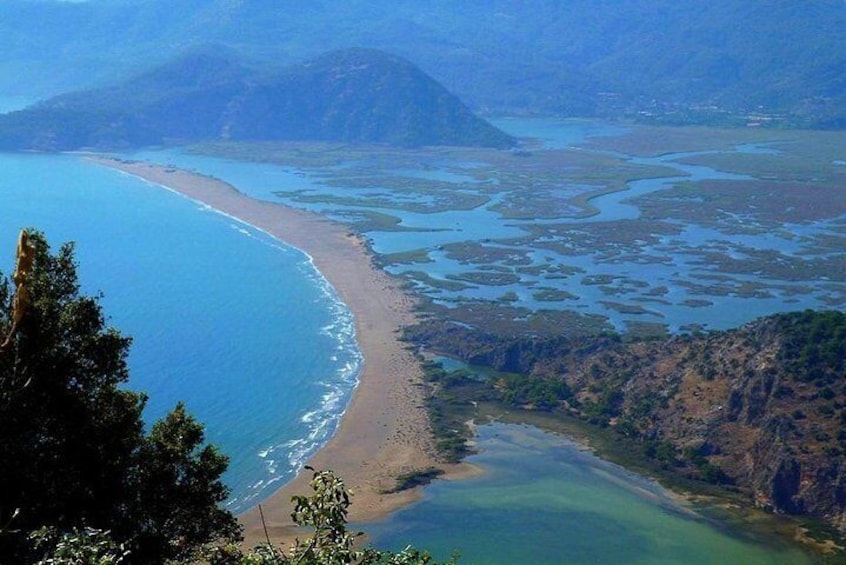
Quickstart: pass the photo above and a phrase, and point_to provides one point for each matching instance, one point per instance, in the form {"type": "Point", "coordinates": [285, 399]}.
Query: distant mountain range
{"type": "Point", "coordinates": [353, 95]}
{"type": "Point", "coordinates": [734, 61]}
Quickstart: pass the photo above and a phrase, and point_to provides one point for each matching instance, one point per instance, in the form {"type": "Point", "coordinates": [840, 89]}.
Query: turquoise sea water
{"type": "Point", "coordinates": [239, 326]}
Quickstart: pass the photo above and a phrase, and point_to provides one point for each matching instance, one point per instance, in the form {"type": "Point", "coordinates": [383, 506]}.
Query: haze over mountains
{"type": "Point", "coordinates": [655, 59]}
{"type": "Point", "coordinates": [353, 95]}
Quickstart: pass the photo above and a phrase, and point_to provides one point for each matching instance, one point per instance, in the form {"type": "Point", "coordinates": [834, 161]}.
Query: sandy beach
{"type": "Point", "coordinates": [385, 430]}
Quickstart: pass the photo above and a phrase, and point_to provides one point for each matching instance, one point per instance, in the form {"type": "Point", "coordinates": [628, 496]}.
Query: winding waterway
{"type": "Point", "coordinates": [658, 279]}
{"type": "Point", "coordinates": [615, 206]}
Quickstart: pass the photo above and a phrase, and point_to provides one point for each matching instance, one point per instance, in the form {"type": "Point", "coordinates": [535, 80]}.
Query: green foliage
{"type": "Point", "coordinates": [325, 511]}
{"type": "Point", "coordinates": [640, 410]}
{"type": "Point", "coordinates": [91, 486]}
{"type": "Point", "coordinates": [542, 393]}
{"type": "Point", "coordinates": [449, 431]}
{"type": "Point", "coordinates": [331, 544]}
{"type": "Point", "coordinates": [814, 347]}
{"type": "Point", "coordinates": [645, 405]}
{"type": "Point", "coordinates": [708, 472]}
{"type": "Point", "coordinates": [447, 378]}
{"type": "Point", "coordinates": [663, 452]}
{"type": "Point", "coordinates": [86, 546]}
{"type": "Point", "coordinates": [606, 406]}
{"type": "Point", "coordinates": [181, 490]}
{"type": "Point", "coordinates": [74, 451]}
{"type": "Point", "coordinates": [451, 405]}
{"type": "Point", "coordinates": [416, 478]}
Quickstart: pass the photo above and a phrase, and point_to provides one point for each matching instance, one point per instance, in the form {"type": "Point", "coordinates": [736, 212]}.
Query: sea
{"type": "Point", "coordinates": [239, 326]}
{"type": "Point", "coordinates": [245, 331]}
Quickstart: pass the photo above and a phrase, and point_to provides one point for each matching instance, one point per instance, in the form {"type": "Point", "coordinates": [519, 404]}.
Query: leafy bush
{"type": "Point", "coordinates": [815, 344]}
{"type": "Point", "coordinates": [542, 393]}
{"type": "Point", "coordinates": [88, 546]}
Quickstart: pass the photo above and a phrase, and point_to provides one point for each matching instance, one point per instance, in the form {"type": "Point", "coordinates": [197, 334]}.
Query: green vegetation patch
{"type": "Point", "coordinates": [486, 278]}
{"type": "Point", "coordinates": [747, 206]}
{"type": "Point", "coordinates": [653, 141]}
{"type": "Point", "coordinates": [510, 320]}
{"type": "Point", "coordinates": [416, 478]}
{"type": "Point", "coordinates": [364, 221]}
{"type": "Point", "coordinates": [413, 257]}
{"type": "Point", "coordinates": [815, 344]}
{"type": "Point", "coordinates": [799, 156]}
{"type": "Point", "coordinates": [629, 309]}
{"type": "Point", "coordinates": [697, 303]}
{"type": "Point", "coordinates": [437, 284]}
{"type": "Point", "coordinates": [553, 295]}
{"type": "Point", "coordinates": [637, 330]}
{"type": "Point", "coordinates": [609, 240]}
{"type": "Point", "coordinates": [482, 253]}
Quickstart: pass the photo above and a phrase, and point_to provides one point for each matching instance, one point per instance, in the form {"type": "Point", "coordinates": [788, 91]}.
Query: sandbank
{"type": "Point", "coordinates": [385, 430]}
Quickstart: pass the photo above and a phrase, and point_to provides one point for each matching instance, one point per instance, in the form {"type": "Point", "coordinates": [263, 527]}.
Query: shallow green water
{"type": "Point", "coordinates": [544, 500]}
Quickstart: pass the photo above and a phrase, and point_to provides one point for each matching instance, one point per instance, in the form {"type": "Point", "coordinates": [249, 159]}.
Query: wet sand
{"type": "Point", "coordinates": [385, 431]}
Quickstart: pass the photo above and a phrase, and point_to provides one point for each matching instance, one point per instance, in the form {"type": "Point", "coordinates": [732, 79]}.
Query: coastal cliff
{"type": "Point", "coordinates": [759, 410]}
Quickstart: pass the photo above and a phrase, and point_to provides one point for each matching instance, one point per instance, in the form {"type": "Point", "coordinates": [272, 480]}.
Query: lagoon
{"type": "Point", "coordinates": [662, 267]}
{"type": "Point", "coordinates": [545, 500]}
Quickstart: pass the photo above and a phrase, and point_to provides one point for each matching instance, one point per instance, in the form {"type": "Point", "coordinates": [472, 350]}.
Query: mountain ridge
{"type": "Point", "coordinates": [645, 59]}
{"type": "Point", "coordinates": [353, 95]}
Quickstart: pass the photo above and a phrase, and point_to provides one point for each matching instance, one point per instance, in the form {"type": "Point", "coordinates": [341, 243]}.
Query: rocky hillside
{"type": "Point", "coordinates": [761, 408]}
{"type": "Point", "coordinates": [355, 95]}
{"type": "Point", "coordinates": [358, 95]}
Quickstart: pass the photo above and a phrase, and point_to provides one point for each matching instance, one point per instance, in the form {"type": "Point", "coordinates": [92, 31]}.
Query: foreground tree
{"type": "Point", "coordinates": [80, 481]}
{"type": "Point", "coordinates": [73, 453]}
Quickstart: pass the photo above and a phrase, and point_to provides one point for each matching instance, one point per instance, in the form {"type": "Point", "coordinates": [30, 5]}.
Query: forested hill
{"type": "Point", "coordinates": [353, 95]}
{"type": "Point", "coordinates": [780, 60]}
{"type": "Point", "coordinates": [760, 409]}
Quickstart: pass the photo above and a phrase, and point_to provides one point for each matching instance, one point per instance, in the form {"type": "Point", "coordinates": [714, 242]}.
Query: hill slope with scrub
{"type": "Point", "coordinates": [760, 409]}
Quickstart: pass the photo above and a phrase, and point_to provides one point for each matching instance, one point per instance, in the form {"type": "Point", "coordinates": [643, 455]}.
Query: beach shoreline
{"type": "Point", "coordinates": [385, 429]}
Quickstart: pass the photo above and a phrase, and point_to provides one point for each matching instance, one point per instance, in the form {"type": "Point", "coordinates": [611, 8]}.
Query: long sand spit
{"type": "Point", "coordinates": [385, 430]}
